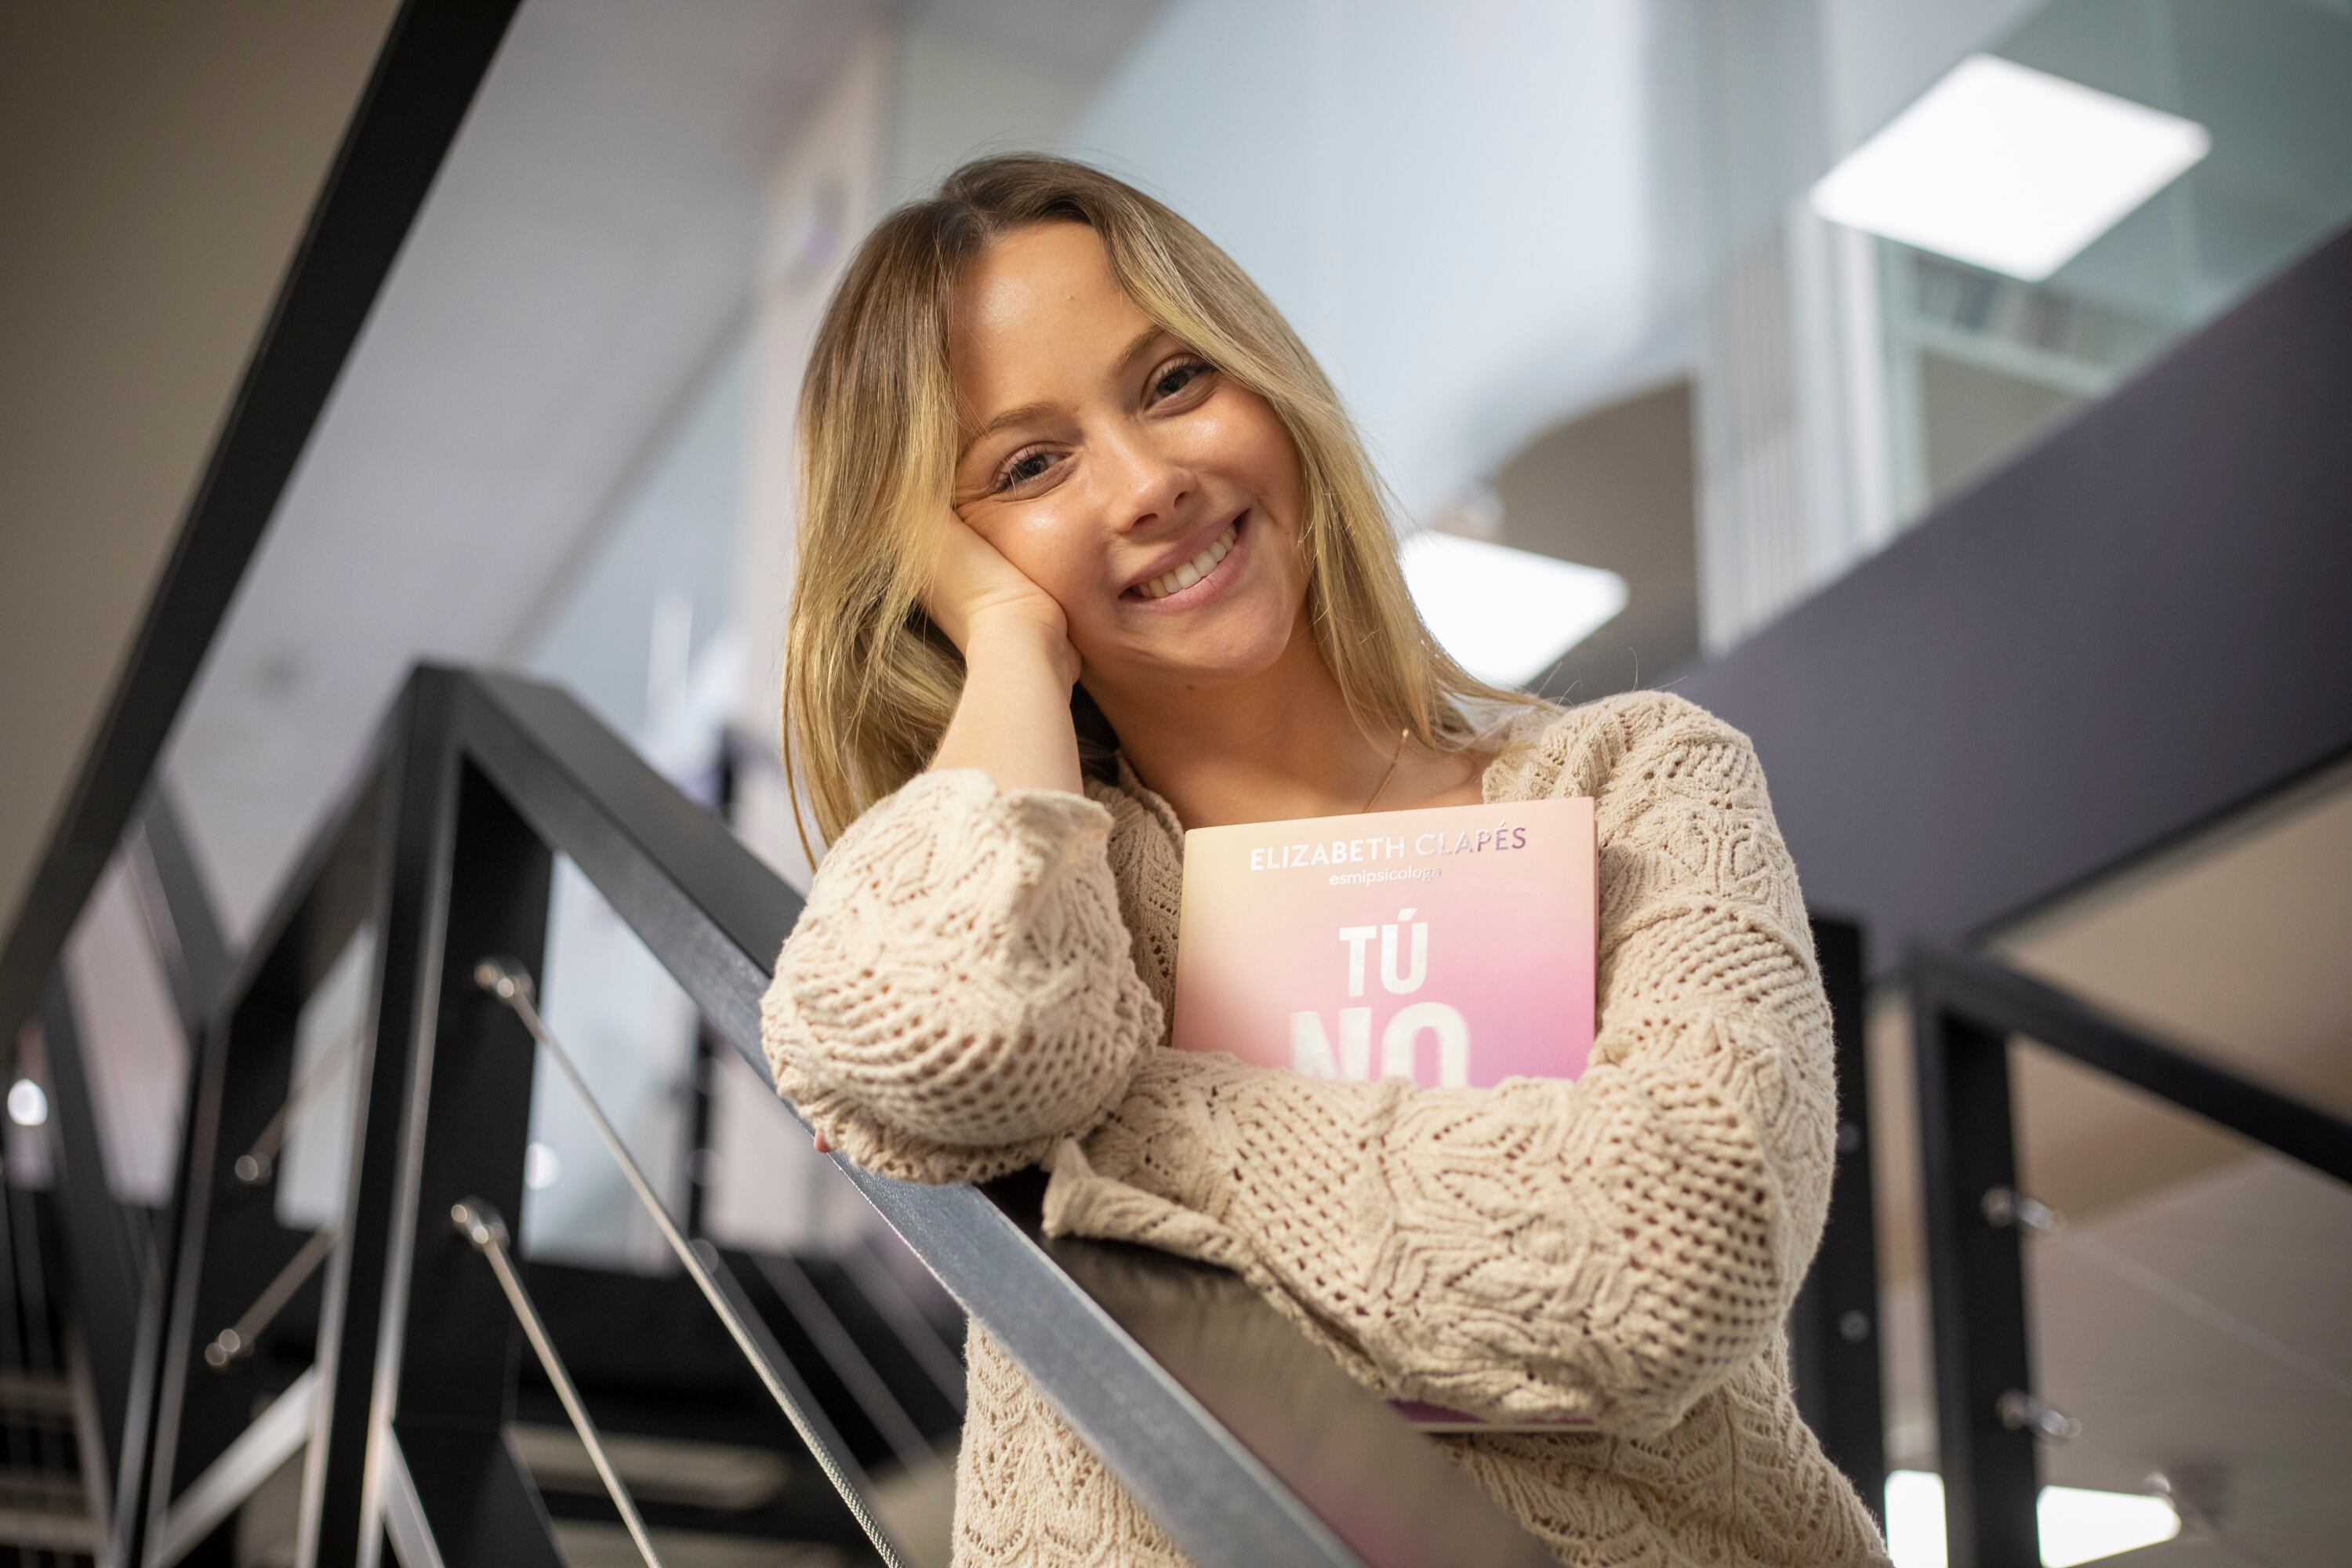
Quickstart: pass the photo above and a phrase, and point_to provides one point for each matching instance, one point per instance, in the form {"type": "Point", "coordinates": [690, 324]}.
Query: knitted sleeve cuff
{"type": "Point", "coordinates": [959, 992]}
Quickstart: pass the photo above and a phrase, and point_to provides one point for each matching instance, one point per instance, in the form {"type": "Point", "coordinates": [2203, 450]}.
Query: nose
{"type": "Point", "coordinates": [1145, 484]}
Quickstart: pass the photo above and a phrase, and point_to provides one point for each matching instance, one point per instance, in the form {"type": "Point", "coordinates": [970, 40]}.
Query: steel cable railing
{"type": "Point", "coordinates": [848, 1360]}
{"type": "Point", "coordinates": [897, 1305]}
{"type": "Point", "coordinates": [253, 1170]}
{"type": "Point", "coordinates": [234, 1343]}
{"type": "Point", "coordinates": [506, 980]}
{"type": "Point", "coordinates": [260, 1158]}
{"type": "Point", "coordinates": [479, 1224]}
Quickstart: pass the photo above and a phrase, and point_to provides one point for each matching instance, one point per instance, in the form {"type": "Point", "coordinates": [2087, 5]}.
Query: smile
{"type": "Point", "coordinates": [1192, 573]}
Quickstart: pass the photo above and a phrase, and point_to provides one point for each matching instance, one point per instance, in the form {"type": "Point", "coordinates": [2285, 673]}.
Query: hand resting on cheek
{"type": "Point", "coordinates": [973, 590]}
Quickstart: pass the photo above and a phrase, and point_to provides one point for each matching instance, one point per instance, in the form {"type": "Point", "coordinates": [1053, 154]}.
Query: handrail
{"type": "Point", "coordinates": [1966, 1010]}
{"type": "Point", "coordinates": [1241, 1436]}
{"type": "Point", "coordinates": [1996, 994]}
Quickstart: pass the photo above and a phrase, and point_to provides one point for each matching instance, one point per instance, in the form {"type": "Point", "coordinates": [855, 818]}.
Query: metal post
{"type": "Point", "coordinates": [231, 1244]}
{"type": "Point", "coordinates": [1834, 1329]}
{"type": "Point", "coordinates": [184, 929]}
{"type": "Point", "coordinates": [181, 920]}
{"type": "Point", "coordinates": [102, 1264]}
{"type": "Point", "coordinates": [422, 1340]}
{"type": "Point", "coordinates": [1976, 1283]}
{"type": "Point", "coordinates": [702, 1087]}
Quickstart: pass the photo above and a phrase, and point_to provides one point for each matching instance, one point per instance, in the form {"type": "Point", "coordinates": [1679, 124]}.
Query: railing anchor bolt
{"type": "Point", "coordinates": [503, 978]}
{"type": "Point", "coordinates": [479, 1223]}
{"type": "Point", "coordinates": [2006, 1206]}
{"type": "Point", "coordinates": [236, 1342]}
{"type": "Point", "coordinates": [2021, 1412]}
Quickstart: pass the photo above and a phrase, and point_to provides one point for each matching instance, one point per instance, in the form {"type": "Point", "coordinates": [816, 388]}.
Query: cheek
{"type": "Point", "coordinates": [1245, 439]}
{"type": "Point", "coordinates": [1044, 544]}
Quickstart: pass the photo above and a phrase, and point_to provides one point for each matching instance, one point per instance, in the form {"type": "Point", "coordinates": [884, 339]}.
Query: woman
{"type": "Point", "coordinates": [1088, 553]}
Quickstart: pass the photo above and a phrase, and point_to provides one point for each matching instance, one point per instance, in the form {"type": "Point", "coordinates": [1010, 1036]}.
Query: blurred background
{"type": "Point", "coordinates": [1662, 318]}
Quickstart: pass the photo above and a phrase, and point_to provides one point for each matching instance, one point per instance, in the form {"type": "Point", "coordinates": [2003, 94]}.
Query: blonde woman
{"type": "Point", "coordinates": [1089, 554]}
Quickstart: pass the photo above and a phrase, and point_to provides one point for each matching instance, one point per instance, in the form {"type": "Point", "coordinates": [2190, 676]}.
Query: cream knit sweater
{"type": "Point", "coordinates": [981, 982]}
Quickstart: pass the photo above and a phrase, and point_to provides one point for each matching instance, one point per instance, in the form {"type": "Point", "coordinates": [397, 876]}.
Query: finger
{"type": "Point", "coordinates": [823, 1144]}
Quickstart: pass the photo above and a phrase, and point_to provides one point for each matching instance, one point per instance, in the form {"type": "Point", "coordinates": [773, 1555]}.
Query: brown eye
{"type": "Point", "coordinates": [1023, 468]}
{"type": "Point", "coordinates": [1177, 377]}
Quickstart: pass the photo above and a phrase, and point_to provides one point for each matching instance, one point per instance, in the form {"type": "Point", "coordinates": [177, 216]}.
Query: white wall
{"type": "Point", "coordinates": [770, 1189]}
{"type": "Point", "coordinates": [1459, 208]}
{"type": "Point", "coordinates": [645, 611]}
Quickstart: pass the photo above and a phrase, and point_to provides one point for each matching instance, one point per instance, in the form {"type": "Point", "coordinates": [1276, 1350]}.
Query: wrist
{"type": "Point", "coordinates": [1022, 639]}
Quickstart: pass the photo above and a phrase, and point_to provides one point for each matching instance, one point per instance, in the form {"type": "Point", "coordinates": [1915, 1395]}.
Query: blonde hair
{"type": "Point", "coordinates": [870, 683]}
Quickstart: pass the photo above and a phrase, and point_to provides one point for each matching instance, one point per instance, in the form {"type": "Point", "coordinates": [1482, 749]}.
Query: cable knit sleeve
{"type": "Point", "coordinates": [1608, 1249]}
{"type": "Point", "coordinates": [959, 994]}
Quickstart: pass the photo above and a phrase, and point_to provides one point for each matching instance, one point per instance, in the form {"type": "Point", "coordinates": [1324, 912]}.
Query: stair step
{"type": "Point", "coordinates": [707, 1474]}
{"type": "Point", "coordinates": [49, 1529]}
{"type": "Point", "coordinates": [36, 1394]}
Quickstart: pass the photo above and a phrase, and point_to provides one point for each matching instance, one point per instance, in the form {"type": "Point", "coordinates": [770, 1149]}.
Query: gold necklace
{"type": "Point", "coordinates": [1402, 735]}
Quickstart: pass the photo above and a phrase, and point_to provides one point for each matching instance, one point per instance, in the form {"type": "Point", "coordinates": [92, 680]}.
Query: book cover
{"type": "Point", "coordinates": [1456, 946]}
{"type": "Point", "coordinates": [1453, 945]}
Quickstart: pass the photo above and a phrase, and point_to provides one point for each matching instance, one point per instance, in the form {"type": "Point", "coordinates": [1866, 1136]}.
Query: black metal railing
{"type": "Point", "coordinates": [114, 1255]}
{"type": "Point", "coordinates": [107, 1259]}
{"type": "Point", "coordinates": [1990, 1421]}
{"type": "Point", "coordinates": [183, 930]}
{"type": "Point", "coordinates": [1834, 1330]}
{"type": "Point", "coordinates": [392, 1367]}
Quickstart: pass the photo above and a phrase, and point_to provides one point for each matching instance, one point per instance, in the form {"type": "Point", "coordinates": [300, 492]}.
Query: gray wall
{"type": "Point", "coordinates": [157, 163]}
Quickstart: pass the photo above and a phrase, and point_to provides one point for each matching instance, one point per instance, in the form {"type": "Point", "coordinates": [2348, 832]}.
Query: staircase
{"type": "Point", "coordinates": [48, 1512]}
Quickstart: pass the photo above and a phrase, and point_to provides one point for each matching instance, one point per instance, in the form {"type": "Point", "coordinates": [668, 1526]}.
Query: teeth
{"type": "Point", "coordinates": [1192, 571]}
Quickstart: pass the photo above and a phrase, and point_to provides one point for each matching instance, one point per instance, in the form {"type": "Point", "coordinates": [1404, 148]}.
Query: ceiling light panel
{"type": "Point", "coordinates": [2009, 168]}
{"type": "Point", "coordinates": [1505, 614]}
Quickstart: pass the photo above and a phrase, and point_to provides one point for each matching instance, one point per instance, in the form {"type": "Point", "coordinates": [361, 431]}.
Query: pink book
{"type": "Point", "coordinates": [1456, 946]}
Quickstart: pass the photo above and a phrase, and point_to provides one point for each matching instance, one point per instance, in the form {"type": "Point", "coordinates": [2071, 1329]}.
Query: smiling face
{"type": "Point", "coordinates": [1156, 499]}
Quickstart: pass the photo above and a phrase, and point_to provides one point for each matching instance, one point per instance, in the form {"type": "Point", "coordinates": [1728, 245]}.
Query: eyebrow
{"type": "Point", "coordinates": [1027, 411]}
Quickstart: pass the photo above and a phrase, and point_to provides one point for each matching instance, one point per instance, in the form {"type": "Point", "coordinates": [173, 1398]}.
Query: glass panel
{"type": "Point", "coordinates": [315, 1165]}
{"type": "Point", "coordinates": [630, 1030]}
{"type": "Point", "coordinates": [133, 1048]}
{"type": "Point", "coordinates": [2188, 1314]}
{"type": "Point", "coordinates": [1983, 363]}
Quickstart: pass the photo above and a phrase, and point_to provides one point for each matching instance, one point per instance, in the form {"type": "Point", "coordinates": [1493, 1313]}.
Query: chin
{"type": "Point", "coordinates": [1239, 647]}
